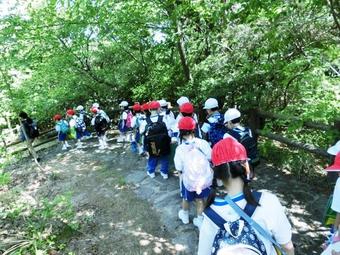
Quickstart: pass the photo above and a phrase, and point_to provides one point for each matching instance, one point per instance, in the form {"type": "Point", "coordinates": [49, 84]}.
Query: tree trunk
{"type": "Point", "coordinates": [182, 53]}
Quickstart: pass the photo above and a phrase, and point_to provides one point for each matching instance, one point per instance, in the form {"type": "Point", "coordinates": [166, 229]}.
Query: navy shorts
{"type": "Point", "coordinates": [192, 195]}
{"type": "Point", "coordinates": [62, 137]}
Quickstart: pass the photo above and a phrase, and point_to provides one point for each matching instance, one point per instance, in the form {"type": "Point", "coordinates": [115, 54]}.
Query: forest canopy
{"type": "Point", "coordinates": [277, 55]}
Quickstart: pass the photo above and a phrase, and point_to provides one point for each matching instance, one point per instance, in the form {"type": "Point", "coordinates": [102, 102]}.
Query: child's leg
{"type": "Point", "coordinates": [199, 206]}
{"type": "Point", "coordinates": [185, 205]}
{"type": "Point", "coordinates": [164, 164]}
{"type": "Point", "coordinates": [152, 164]}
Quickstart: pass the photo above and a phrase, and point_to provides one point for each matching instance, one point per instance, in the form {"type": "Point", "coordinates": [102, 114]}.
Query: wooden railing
{"type": "Point", "coordinates": [258, 118]}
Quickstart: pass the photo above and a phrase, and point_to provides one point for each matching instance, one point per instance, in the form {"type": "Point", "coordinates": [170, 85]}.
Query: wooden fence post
{"type": "Point", "coordinates": [255, 121]}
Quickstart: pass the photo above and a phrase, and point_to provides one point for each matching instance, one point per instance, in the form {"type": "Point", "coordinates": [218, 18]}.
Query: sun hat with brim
{"type": "Point", "coordinates": [336, 165]}
{"type": "Point", "coordinates": [228, 150]}
{"type": "Point", "coordinates": [334, 149]}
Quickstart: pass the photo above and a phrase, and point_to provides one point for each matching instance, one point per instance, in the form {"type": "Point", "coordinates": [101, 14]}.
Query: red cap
{"type": "Point", "coordinates": [154, 105]}
{"type": "Point", "coordinates": [57, 117]}
{"type": "Point", "coordinates": [137, 107]}
{"type": "Point", "coordinates": [186, 108]}
{"type": "Point", "coordinates": [336, 165]}
{"type": "Point", "coordinates": [70, 112]}
{"type": "Point", "coordinates": [228, 150]}
{"type": "Point", "coordinates": [94, 110]}
{"type": "Point", "coordinates": [145, 107]}
{"type": "Point", "coordinates": [186, 123]}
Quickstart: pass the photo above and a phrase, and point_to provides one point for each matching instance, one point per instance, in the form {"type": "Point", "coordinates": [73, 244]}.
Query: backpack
{"type": "Point", "coordinates": [100, 123]}
{"type": "Point", "coordinates": [80, 125]}
{"type": "Point", "coordinates": [217, 130]}
{"type": "Point", "coordinates": [64, 127]}
{"type": "Point", "coordinates": [249, 144]}
{"type": "Point", "coordinates": [128, 121]}
{"type": "Point", "coordinates": [197, 174]}
{"type": "Point", "coordinates": [239, 232]}
{"type": "Point", "coordinates": [33, 131]}
{"type": "Point", "coordinates": [157, 140]}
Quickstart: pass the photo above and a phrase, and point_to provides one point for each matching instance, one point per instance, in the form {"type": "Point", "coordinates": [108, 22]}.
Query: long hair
{"type": "Point", "coordinates": [183, 133]}
{"type": "Point", "coordinates": [229, 170]}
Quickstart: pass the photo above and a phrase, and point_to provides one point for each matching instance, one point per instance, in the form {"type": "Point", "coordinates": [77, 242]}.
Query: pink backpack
{"type": "Point", "coordinates": [129, 119]}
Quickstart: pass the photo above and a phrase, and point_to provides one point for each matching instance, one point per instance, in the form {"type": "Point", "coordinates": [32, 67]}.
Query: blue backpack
{"type": "Point", "coordinates": [64, 127]}
{"type": "Point", "coordinates": [217, 130]}
{"type": "Point", "coordinates": [238, 232]}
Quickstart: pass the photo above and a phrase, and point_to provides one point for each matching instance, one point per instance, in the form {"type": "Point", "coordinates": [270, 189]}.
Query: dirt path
{"type": "Point", "coordinates": [127, 212]}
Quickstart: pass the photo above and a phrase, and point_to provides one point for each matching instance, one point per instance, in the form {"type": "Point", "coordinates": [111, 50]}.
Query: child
{"type": "Point", "coordinates": [85, 118]}
{"type": "Point", "coordinates": [29, 131]}
{"type": "Point", "coordinates": [213, 128]}
{"type": "Point", "coordinates": [100, 121]}
{"type": "Point", "coordinates": [223, 226]}
{"type": "Point", "coordinates": [124, 124]}
{"type": "Point", "coordinates": [335, 205]}
{"type": "Point", "coordinates": [136, 120]}
{"type": "Point", "coordinates": [76, 125]}
{"type": "Point", "coordinates": [169, 116]}
{"type": "Point", "coordinates": [62, 128]}
{"type": "Point", "coordinates": [156, 141]}
{"type": "Point", "coordinates": [192, 161]}
{"type": "Point", "coordinates": [243, 135]}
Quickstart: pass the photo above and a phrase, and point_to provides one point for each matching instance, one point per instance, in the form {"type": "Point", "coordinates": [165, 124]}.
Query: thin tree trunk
{"type": "Point", "coordinates": [182, 53]}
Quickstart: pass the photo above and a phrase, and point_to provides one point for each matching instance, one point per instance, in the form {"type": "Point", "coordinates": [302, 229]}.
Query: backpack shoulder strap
{"type": "Point", "coordinates": [160, 119]}
{"type": "Point", "coordinates": [148, 121]}
{"type": "Point", "coordinates": [250, 209]}
{"type": "Point", "coordinates": [214, 217]}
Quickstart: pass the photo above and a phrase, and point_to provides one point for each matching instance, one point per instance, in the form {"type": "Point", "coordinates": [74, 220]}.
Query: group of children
{"type": "Point", "coordinates": [219, 155]}
{"type": "Point", "coordinates": [222, 154]}
{"type": "Point", "coordinates": [77, 123]}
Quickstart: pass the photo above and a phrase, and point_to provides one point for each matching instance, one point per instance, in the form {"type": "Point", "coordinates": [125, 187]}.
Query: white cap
{"type": "Point", "coordinates": [231, 114]}
{"type": "Point", "coordinates": [80, 108]}
{"type": "Point", "coordinates": [334, 149]}
{"type": "Point", "coordinates": [210, 103]}
{"type": "Point", "coordinates": [124, 103]}
{"type": "Point", "coordinates": [162, 102]}
{"type": "Point", "coordinates": [182, 100]}
{"type": "Point", "coordinates": [95, 105]}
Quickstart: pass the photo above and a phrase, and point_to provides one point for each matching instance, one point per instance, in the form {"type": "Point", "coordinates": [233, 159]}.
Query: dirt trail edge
{"type": "Point", "coordinates": [123, 211]}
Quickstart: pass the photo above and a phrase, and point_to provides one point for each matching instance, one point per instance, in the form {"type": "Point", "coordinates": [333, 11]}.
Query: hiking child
{"type": "Point", "coordinates": [156, 141]}
{"type": "Point", "coordinates": [243, 135]}
{"type": "Point", "coordinates": [124, 123]}
{"type": "Point", "coordinates": [100, 121]}
{"type": "Point", "coordinates": [137, 118]}
{"type": "Point", "coordinates": [335, 200]}
{"type": "Point", "coordinates": [76, 125]}
{"type": "Point", "coordinates": [169, 116]}
{"type": "Point", "coordinates": [213, 128]}
{"type": "Point", "coordinates": [85, 118]}
{"type": "Point", "coordinates": [192, 162]}
{"type": "Point", "coordinates": [28, 132]}
{"type": "Point", "coordinates": [62, 128]}
{"type": "Point", "coordinates": [263, 223]}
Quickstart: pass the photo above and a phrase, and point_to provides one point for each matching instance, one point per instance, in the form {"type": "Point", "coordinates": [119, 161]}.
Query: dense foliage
{"type": "Point", "coordinates": [277, 55]}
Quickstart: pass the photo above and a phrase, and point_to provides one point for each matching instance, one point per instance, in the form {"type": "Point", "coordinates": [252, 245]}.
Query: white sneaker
{"type": "Point", "coordinates": [64, 147]}
{"type": "Point", "coordinates": [183, 216]}
{"type": "Point", "coordinates": [165, 176]}
{"type": "Point", "coordinates": [152, 175]}
{"type": "Point", "coordinates": [197, 221]}
{"type": "Point", "coordinates": [67, 145]}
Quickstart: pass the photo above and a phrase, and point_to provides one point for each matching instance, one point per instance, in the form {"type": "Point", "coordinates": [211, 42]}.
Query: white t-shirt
{"type": "Point", "coordinates": [270, 215]}
{"type": "Point", "coordinates": [336, 197]}
{"type": "Point", "coordinates": [182, 149]}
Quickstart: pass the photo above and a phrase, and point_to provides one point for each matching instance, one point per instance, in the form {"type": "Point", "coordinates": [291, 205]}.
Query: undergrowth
{"type": "Point", "coordinates": [36, 228]}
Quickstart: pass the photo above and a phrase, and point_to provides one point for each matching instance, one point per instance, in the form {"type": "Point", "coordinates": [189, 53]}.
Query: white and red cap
{"type": "Point", "coordinates": [182, 100]}
{"type": "Point", "coordinates": [336, 165]}
{"type": "Point", "coordinates": [210, 103]}
{"type": "Point", "coordinates": [231, 114]}
{"type": "Point", "coordinates": [334, 149]}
